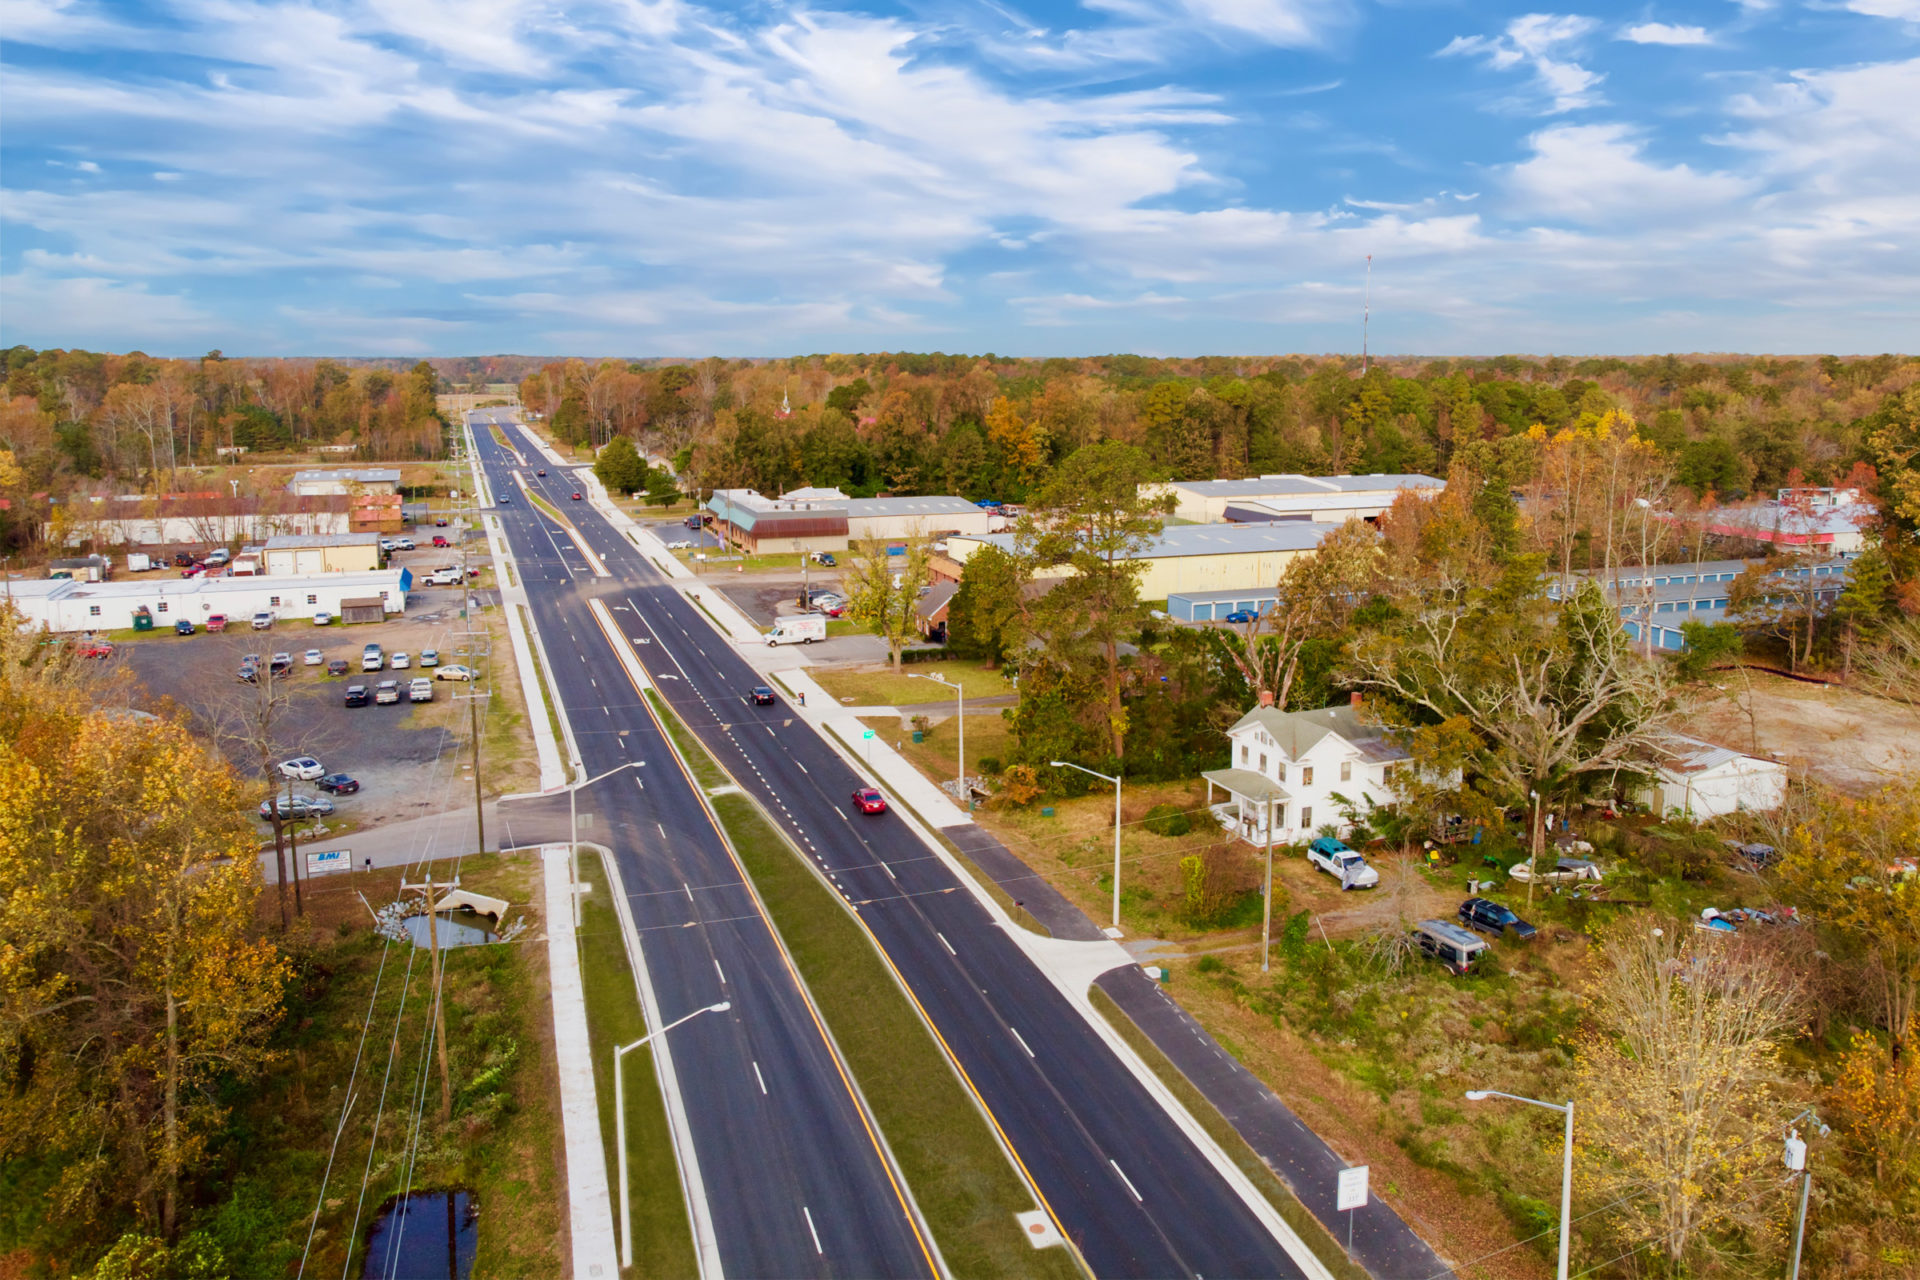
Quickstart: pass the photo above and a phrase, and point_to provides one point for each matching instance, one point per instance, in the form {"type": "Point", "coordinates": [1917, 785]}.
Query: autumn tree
{"type": "Point", "coordinates": [984, 618]}
{"type": "Point", "coordinates": [883, 590]}
{"type": "Point", "coordinates": [1316, 597]}
{"type": "Point", "coordinates": [131, 986]}
{"type": "Point", "coordinates": [1089, 523]}
{"type": "Point", "coordinates": [1675, 1074]}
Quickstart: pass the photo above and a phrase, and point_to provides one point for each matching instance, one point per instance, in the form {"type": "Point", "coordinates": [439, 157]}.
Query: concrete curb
{"type": "Point", "coordinates": [594, 1251]}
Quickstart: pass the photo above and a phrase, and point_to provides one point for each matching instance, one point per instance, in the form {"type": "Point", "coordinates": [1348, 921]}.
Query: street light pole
{"type": "Point", "coordinates": [1566, 1163]}
{"type": "Point", "coordinates": [960, 707]}
{"type": "Point", "coordinates": [620, 1120]}
{"type": "Point", "coordinates": [1063, 764]}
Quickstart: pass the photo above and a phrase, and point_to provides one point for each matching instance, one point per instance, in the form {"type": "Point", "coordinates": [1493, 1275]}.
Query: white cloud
{"type": "Point", "coordinates": [1597, 175]}
{"type": "Point", "coordinates": [1666, 33]}
{"type": "Point", "coordinates": [1898, 10]}
{"type": "Point", "coordinates": [1539, 42]}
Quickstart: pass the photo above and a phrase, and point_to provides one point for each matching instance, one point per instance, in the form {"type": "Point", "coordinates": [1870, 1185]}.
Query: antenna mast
{"type": "Point", "coordinates": [1366, 314]}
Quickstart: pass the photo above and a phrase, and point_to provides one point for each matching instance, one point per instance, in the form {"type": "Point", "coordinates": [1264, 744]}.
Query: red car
{"type": "Point", "coordinates": [94, 649]}
{"type": "Point", "coordinates": [867, 800]}
{"type": "Point", "coordinates": [576, 497]}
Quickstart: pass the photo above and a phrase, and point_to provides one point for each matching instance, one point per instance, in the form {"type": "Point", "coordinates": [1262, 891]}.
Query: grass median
{"type": "Point", "coordinates": [662, 1237]}
{"type": "Point", "coordinates": [960, 1177]}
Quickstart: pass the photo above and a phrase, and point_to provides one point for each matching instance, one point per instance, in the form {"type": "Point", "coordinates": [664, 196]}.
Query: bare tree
{"type": "Point", "coordinates": [1676, 1078]}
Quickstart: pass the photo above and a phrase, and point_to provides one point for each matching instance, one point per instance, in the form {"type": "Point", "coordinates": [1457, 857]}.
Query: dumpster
{"type": "Point", "coordinates": [142, 619]}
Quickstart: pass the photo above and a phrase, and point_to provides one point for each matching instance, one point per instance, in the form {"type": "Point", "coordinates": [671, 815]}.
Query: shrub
{"type": "Point", "coordinates": [989, 765]}
{"type": "Point", "coordinates": [1210, 964]}
{"type": "Point", "coordinates": [1167, 820]}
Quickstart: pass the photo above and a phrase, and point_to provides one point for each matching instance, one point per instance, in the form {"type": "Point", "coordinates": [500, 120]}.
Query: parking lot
{"type": "Point", "coordinates": [410, 759]}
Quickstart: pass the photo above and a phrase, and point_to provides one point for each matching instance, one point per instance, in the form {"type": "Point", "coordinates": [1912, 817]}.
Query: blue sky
{"type": "Point", "coordinates": [651, 177]}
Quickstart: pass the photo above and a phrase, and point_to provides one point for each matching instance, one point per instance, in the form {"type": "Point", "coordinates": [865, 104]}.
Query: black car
{"type": "Point", "coordinates": [357, 695]}
{"type": "Point", "coordinates": [338, 667]}
{"type": "Point", "coordinates": [541, 472]}
{"type": "Point", "coordinates": [184, 627]}
{"type": "Point", "coordinates": [1490, 917]}
{"type": "Point", "coordinates": [338, 783]}
{"type": "Point", "coordinates": [762, 696]}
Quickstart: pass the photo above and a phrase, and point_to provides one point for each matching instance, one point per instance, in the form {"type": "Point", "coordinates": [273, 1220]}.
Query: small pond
{"type": "Point", "coordinates": [457, 929]}
{"type": "Point", "coordinates": [428, 1235]}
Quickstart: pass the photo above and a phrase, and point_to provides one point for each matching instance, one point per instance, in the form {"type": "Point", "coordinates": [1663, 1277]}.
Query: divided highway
{"type": "Point", "coordinates": [1122, 1180]}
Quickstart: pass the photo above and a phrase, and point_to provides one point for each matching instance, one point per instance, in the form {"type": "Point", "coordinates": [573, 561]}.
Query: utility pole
{"type": "Point", "coordinates": [1366, 315]}
{"type": "Point", "coordinates": [439, 1007]}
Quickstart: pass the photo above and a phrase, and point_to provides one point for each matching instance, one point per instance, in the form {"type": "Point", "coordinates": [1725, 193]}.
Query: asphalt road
{"type": "Point", "coordinates": [796, 1184]}
{"type": "Point", "coordinates": [1124, 1182]}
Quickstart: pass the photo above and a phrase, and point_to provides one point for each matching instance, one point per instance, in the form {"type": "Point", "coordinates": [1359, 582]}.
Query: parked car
{"type": "Point", "coordinates": [217, 557]}
{"type": "Point", "coordinates": [250, 669]}
{"type": "Point", "coordinates": [323, 619]}
{"type": "Point", "coordinates": [340, 784]}
{"type": "Point", "coordinates": [440, 540]}
{"type": "Point", "coordinates": [1757, 857]}
{"type": "Point", "coordinates": [1448, 943]}
{"type": "Point", "coordinates": [281, 664]}
{"type": "Point", "coordinates": [338, 667]}
{"type": "Point", "coordinates": [1243, 615]}
{"type": "Point", "coordinates": [440, 522]}
{"type": "Point", "coordinates": [1489, 916]}
{"type": "Point", "coordinates": [294, 808]}
{"type": "Point", "coordinates": [216, 622]}
{"type": "Point", "coordinates": [301, 769]}
{"type": "Point", "coordinates": [312, 658]}
{"type": "Point", "coordinates": [401, 661]}
{"type": "Point", "coordinates": [420, 690]}
{"type": "Point", "coordinates": [92, 648]}
{"type": "Point", "coordinates": [679, 544]}
{"type": "Point", "coordinates": [762, 696]}
{"type": "Point", "coordinates": [692, 522]}
{"type": "Point", "coordinates": [429, 657]}
{"type": "Point", "coordinates": [1334, 858]}
{"type": "Point", "coordinates": [357, 695]}
{"type": "Point", "coordinates": [825, 558]}
{"type": "Point", "coordinates": [404, 544]}
{"type": "Point", "coordinates": [263, 621]}
{"type": "Point", "coordinates": [193, 571]}
{"type": "Point", "coordinates": [387, 691]}
{"type": "Point", "coordinates": [183, 627]}
{"type": "Point", "coordinates": [868, 800]}
{"type": "Point", "coordinates": [389, 545]}
{"type": "Point", "coordinates": [373, 660]}
{"type": "Point", "coordinates": [453, 671]}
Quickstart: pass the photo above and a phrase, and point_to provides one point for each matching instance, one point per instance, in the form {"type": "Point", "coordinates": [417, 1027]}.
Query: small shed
{"type": "Point", "coordinates": [1700, 780]}
{"type": "Point", "coordinates": [363, 609]}
{"type": "Point", "coordinates": [81, 568]}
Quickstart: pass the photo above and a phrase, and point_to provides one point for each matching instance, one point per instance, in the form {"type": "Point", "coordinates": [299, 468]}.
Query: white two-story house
{"type": "Point", "coordinates": [1292, 764]}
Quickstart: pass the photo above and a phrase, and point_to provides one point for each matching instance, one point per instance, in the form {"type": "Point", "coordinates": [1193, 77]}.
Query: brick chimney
{"type": "Point", "coordinates": [1266, 697]}
{"type": "Point", "coordinates": [1355, 695]}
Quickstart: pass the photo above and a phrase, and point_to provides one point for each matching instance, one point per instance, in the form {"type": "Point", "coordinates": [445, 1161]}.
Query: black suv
{"type": "Point", "coordinates": [357, 695]}
{"type": "Point", "coordinates": [1490, 917]}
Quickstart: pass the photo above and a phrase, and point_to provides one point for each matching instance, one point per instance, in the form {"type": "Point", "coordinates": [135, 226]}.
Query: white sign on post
{"type": "Point", "coordinates": [1353, 1189]}
{"type": "Point", "coordinates": [322, 861]}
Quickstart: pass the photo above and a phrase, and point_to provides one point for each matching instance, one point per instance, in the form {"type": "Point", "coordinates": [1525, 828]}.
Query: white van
{"type": "Point", "coordinates": [799, 629]}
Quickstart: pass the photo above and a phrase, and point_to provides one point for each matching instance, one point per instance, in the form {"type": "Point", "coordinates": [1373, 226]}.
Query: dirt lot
{"type": "Point", "coordinates": [1844, 739]}
{"type": "Point", "coordinates": [410, 759]}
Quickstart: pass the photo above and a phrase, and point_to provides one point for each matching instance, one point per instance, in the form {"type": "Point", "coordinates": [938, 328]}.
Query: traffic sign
{"type": "Point", "coordinates": [1352, 1193]}
{"type": "Point", "coordinates": [867, 734]}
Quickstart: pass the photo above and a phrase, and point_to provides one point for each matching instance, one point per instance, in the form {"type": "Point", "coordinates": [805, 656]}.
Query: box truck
{"type": "Point", "coordinates": [799, 629]}
{"type": "Point", "coordinates": [138, 562]}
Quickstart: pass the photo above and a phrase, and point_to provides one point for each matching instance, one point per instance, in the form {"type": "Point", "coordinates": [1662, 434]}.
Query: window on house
{"type": "Point", "coordinates": [1282, 772]}
{"type": "Point", "coordinates": [1263, 762]}
{"type": "Point", "coordinates": [1306, 776]}
{"type": "Point", "coordinates": [274, 601]}
{"type": "Point", "coordinates": [1306, 816]}
{"type": "Point", "coordinates": [1246, 753]}
{"type": "Point", "coordinates": [1346, 771]}
{"type": "Point", "coordinates": [93, 611]}
{"type": "Point", "coordinates": [163, 606]}
{"type": "Point", "coordinates": [313, 599]}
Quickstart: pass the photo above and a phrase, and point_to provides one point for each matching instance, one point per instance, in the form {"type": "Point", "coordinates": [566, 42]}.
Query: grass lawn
{"type": "Point", "coordinates": [662, 1236]}
{"type": "Point", "coordinates": [960, 1178]}
{"type": "Point", "coordinates": [508, 761]}
{"type": "Point", "coordinates": [934, 754]}
{"type": "Point", "coordinates": [883, 686]}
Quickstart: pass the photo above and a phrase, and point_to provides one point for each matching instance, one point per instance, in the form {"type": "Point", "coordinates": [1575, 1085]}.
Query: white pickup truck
{"type": "Point", "coordinates": [798, 629]}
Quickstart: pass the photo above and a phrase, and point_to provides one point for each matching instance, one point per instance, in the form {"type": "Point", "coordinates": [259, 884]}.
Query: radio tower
{"type": "Point", "coordinates": [1366, 315]}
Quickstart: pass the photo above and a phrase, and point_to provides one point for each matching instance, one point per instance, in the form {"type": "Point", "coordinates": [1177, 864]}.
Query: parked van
{"type": "Point", "coordinates": [798, 630]}
{"type": "Point", "coordinates": [1448, 943]}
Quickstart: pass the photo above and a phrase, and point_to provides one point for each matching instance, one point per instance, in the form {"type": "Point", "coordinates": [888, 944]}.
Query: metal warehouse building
{"type": "Point", "coordinates": [1184, 559]}
{"type": "Point", "coordinates": [66, 605]}
{"type": "Point", "coordinates": [1212, 606]}
{"type": "Point", "coordinates": [326, 553]}
{"type": "Point", "coordinates": [1321, 499]}
{"type": "Point", "coordinates": [827, 520]}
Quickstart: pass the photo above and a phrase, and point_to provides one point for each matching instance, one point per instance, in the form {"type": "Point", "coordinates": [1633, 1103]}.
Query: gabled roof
{"type": "Point", "coordinates": [1298, 732]}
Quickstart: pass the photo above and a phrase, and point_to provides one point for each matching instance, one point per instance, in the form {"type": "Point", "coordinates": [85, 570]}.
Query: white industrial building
{"type": "Point", "coordinates": [828, 520]}
{"type": "Point", "coordinates": [1189, 558]}
{"type": "Point", "coordinates": [1321, 499]}
{"type": "Point", "coordinates": [69, 605]}
{"type": "Point", "coordinates": [1697, 779]}
{"type": "Point", "coordinates": [314, 484]}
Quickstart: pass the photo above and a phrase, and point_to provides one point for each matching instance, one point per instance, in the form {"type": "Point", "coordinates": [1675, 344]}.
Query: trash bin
{"type": "Point", "coordinates": [919, 737]}
{"type": "Point", "coordinates": [1046, 813]}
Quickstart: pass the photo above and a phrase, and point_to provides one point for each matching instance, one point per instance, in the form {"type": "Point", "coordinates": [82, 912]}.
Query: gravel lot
{"type": "Point", "coordinates": [403, 756]}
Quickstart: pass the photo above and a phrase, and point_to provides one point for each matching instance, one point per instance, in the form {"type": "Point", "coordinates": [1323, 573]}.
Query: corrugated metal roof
{"type": "Point", "coordinates": [1289, 485]}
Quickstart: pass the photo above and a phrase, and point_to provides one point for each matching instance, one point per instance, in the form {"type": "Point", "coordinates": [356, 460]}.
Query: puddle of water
{"type": "Point", "coordinates": [428, 1235]}
{"type": "Point", "coordinates": [457, 929]}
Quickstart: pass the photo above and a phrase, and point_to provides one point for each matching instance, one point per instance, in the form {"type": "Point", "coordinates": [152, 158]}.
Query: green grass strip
{"type": "Point", "coordinates": [500, 438]}
{"type": "Point", "coordinates": [547, 696]}
{"type": "Point", "coordinates": [662, 1236]}
{"type": "Point", "coordinates": [966, 1189]}
{"type": "Point", "coordinates": [960, 1177]}
{"type": "Point", "coordinates": [549, 508]}
{"type": "Point", "coordinates": [1295, 1214]}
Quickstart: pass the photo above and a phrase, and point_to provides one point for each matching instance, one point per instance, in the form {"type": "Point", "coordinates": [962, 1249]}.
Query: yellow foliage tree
{"type": "Point", "coordinates": [130, 977]}
{"type": "Point", "coordinates": [1021, 441]}
{"type": "Point", "coordinates": [1875, 1102]}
